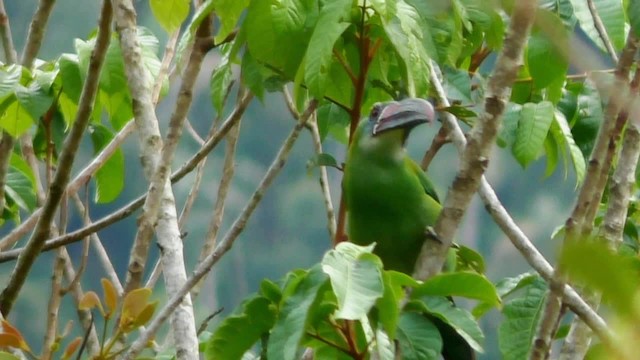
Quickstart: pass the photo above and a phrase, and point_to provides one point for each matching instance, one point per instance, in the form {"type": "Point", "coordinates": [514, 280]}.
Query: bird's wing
{"type": "Point", "coordinates": [424, 180]}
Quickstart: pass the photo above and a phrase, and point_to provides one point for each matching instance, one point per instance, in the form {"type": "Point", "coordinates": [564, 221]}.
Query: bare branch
{"type": "Point", "coordinates": [53, 306]}
{"type": "Point", "coordinates": [225, 244]}
{"type": "Point", "coordinates": [475, 157]}
{"type": "Point", "coordinates": [42, 230]}
{"type": "Point", "coordinates": [36, 32]}
{"type": "Point", "coordinates": [602, 31]}
{"type": "Point", "coordinates": [5, 36]}
{"type": "Point", "coordinates": [324, 179]}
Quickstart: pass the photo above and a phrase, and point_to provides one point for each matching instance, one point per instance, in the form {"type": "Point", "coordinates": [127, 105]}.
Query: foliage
{"type": "Point", "coordinates": [350, 294]}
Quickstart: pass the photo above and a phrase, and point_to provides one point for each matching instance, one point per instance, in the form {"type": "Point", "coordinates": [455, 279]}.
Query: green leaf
{"type": "Point", "coordinates": [331, 24]}
{"type": "Point", "coordinates": [633, 12]}
{"type": "Point", "coordinates": [465, 284]}
{"type": "Point", "coordinates": [612, 14]}
{"type": "Point", "coordinates": [322, 159]}
{"type": "Point", "coordinates": [71, 77]}
{"type": "Point", "coordinates": [594, 263]}
{"type": "Point", "coordinates": [251, 75]}
{"type": "Point", "coordinates": [507, 134]}
{"type": "Point", "coordinates": [170, 13]}
{"type": "Point", "coordinates": [15, 118]}
{"type": "Point", "coordinates": [589, 114]}
{"type": "Point", "coordinates": [546, 50]}
{"type": "Point", "coordinates": [356, 279]}
{"type": "Point", "coordinates": [418, 337]}
{"type": "Point", "coordinates": [221, 78]}
{"type": "Point", "coordinates": [469, 259]}
{"type": "Point", "coordinates": [9, 79]}
{"type": "Point", "coordinates": [110, 177]}
{"type": "Point", "coordinates": [20, 188]}
{"type": "Point", "coordinates": [333, 120]}
{"type": "Point", "coordinates": [384, 348]}
{"type": "Point", "coordinates": [521, 314]}
{"type": "Point", "coordinates": [8, 356]}
{"type": "Point", "coordinates": [533, 126]}
{"type": "Point", "coordinates": [457, 85]}
{"type": "Point", "coordinates": [459, 319]}
{"type": "Point", "coordinates": [237, 333]}
{"type": "Point", "coordinates": [613, 20]}
{"type": "Point", "coordinates": [200, 14]}
{"type": "Point", "coordinates": [405, 31]}
{"type": "Point", "coordinates": [568, 144]}
{"type": "Point", "coordinates": [228, 11]}
{"type": "Point", "coordinates": [290, 326]}
{"type": "Point", "coordinates": [389, 304]}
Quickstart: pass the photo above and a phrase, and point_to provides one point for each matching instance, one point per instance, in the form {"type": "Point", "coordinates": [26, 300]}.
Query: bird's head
{"type": "Point", "coordinates": [389, 123]}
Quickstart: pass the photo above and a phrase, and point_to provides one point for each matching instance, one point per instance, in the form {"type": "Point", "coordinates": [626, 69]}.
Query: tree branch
{"type": "Point", "coordinates": [602, 31]}
{"type": "Point", "coordinates": [56, 190]}
{"type": "Point", "coordinates": [577, 341]}
{"type": "Point", "coordinates": [475, 157]}
{"type": "Point", "coordinates": [225, 244]}
{"type": "Point", "coordinates": [580, 222]}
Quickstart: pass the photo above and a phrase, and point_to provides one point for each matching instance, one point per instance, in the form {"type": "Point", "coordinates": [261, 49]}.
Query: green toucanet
{"type": "Point", "coordinates": [389, 198]}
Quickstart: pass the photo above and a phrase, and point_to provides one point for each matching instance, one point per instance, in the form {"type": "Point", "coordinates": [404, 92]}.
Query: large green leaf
{"type": "Point", "coordinates": [389, 304]}
{"type": "Point", "coordinates": [418, 337]}
{"type": "Point", "coordinates": [633, 12]}
{"type": "Point", "coordinates": [561, 131]}
{"type": "Point", "coordinates": [290, 326]}
{"type": "Point", "coordinates": [459, 319]}
{"type": "Point", "coordinates": [228, 11]}
{"type": "Point", "coordinates": [110, 177]}
{"type": "Point", "coordinates": [405, 30]}
{"type": "Point", "coordinates": [586, 123]}
{"type": "Point", "coordinates": [333, 21]}
{"type": "Point", "coordinates": [356, 279]}
{"type": "Point", "coordinates": [533, 126]}
{"type": "Point", "coordinates": [465, 284]}
{"type": "Point", "coordinates": [547, 50]}
{"type": "Point", "coordinates": [221, 78]}
{"type": "Point", "coordinates": [20, 187]}
{"type": "Point", "coordinates": [170, 13]}
{"type": "Point", "coordinates": [615, 275]}
{"type": "Point", "coordinates": [237, 333]}
{"type": "Point", "coordinates": [516, 331]}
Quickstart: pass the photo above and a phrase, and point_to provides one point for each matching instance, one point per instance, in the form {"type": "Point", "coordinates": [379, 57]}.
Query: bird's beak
{"type": "Point", "coordinates": [404, 114]}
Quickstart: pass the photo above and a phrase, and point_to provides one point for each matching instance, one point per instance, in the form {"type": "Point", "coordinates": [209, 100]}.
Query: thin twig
{"type": "Point", "coordinates": [225, 244]}
{"type": "Point", "coordinates": [69, 150]}
{"type": "Point", "coordinates": [438, 141]}
{"type": "Point", "coordinates": [228, 170]}
{"type": "Point", "coordinates": [324, 178]}
{"type": "Point", "coordinates": [53, 306]}
{"type": "Point", "coordinates": [602, 31]}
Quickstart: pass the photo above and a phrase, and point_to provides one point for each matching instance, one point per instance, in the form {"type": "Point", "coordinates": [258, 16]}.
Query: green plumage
{"type": "Point", "coordinates": [389, 199]}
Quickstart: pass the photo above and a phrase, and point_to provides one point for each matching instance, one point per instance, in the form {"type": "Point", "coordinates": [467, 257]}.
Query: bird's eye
{"type": "Point", "coordinates": [375, 112]}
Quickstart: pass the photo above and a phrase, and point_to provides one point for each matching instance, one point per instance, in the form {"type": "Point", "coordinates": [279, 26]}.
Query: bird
{"type": "Point", "coordinates": [389, 199]}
